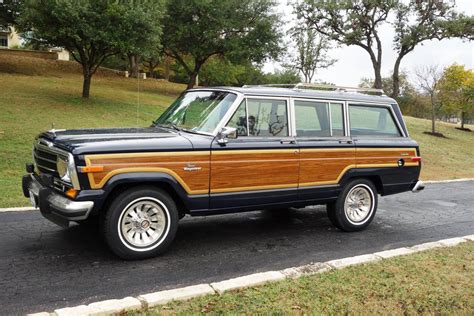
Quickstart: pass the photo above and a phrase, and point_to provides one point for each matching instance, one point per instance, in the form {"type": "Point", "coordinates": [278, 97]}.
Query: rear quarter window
{"type": "Point", "coordinates": [374, 121]}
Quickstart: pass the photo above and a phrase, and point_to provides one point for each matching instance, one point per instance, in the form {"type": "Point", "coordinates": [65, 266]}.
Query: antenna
{"type": "Point", "coordinates": [138, 100]}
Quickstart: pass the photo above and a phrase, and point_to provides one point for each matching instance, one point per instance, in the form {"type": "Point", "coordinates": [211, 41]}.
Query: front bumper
{"type": "Point", "coordinates": [54, 206]}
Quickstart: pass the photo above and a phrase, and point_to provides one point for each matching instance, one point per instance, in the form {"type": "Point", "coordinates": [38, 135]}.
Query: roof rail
{"type": "Point", "coordinates": [324, 87]}
{"type": "Point", "coordinates": [276, 85]}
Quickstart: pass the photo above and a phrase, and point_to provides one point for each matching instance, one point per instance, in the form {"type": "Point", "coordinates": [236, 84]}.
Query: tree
{"type": "Point", "coordinates": [310, 51]}
{"type": "Point", "coordinates": [152, 62]}
{"type": "Point", "coordinates": [284, 76]}
{"type": "Point", "coordinates": [358, 23]}
{"type": "Point", "coordinates": [350, 23]}
{"type": "Point", "coordinates": [407, 95]}
{"type": "Point", "coordinates": [428, 79]}
{"type": "Point", "coordinates": [93, 30]}
{"type": "Point", "coordinates": [9, 11]}
{"type": "Point", "coordinates": [420, 21]}
{"type": "Point", "coordinates": [456, 91]}
{"type": "Point", "coordinates": [195, 30]}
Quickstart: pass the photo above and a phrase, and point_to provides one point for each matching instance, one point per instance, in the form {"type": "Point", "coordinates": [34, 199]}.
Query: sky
{"type": "Point", "coordinates": [354, 62]}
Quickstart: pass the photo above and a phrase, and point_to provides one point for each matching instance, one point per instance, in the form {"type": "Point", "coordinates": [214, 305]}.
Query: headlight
{"type": "Point", "coordinates": [62, 165]}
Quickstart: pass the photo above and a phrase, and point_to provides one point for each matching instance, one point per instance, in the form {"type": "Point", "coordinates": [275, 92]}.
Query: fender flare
{"type": "Point", "coordinates": [149, 177]}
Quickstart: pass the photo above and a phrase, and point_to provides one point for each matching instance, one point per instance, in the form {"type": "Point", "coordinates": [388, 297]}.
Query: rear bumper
{"type": "Point", "coordinates": [419, 186]}
{"type": "Point", "coordinates": [54, 206]}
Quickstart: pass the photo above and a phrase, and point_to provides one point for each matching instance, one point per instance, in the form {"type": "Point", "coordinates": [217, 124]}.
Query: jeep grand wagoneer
{"type": "Point", "coordinates": [217, 150]}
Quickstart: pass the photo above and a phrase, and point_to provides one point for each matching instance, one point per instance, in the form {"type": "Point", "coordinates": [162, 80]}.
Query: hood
{"type": "Point", "coordinates": [108, 140]}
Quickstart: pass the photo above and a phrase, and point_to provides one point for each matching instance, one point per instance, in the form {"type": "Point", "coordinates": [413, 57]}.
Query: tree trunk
{"type": "Point", "coordinates": [463, 115]}
{"type": "Point", "coordinates": [133, 61]}
{"type": "Point", "coordinates": [378, 76]}
{"type": "Point", "coordinates": [167, 64]}
{"type": "Point", "coordinates": [433, 114]}
{"type": "Point", "coordinates": [193, 75]}
{"type": "Point", "coordinates": [396, 78]}
{"type": "Point", "coordinates": [86, 85]}
{"type": "Point", "coordinates": [192, 80]}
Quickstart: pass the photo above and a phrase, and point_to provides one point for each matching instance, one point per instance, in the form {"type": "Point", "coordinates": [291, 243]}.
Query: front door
{"type": "Point", "coordinates": [326, 152]}
{"type": "Point", "coordinates": [260, 167]}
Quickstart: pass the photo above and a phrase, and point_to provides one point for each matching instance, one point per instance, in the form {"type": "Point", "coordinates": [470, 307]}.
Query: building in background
{"type": "Point", "coordinates": [9, 38]}
{"type": "Point", "coordinates": [10, 44]}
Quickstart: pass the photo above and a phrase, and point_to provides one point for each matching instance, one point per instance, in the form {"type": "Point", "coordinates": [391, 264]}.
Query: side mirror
{"type": "Point", "coordinates": [226, 133]}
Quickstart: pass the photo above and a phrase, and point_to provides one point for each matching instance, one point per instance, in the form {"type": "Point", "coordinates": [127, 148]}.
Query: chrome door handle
{"type": "Point", "coordinates": [287, 141]}
{"type": "Point", "coordinates": [345, 141]}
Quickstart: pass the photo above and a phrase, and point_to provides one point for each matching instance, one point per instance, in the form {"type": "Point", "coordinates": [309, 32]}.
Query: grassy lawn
{"type": "Point", "coordinates": [443, 158]}
{"type": "Point", "coordinates": [31, 103]}
{"type": "Point", "coordinates": [37, 93]}
{"type": "Point", "coordinates": [439, 282]}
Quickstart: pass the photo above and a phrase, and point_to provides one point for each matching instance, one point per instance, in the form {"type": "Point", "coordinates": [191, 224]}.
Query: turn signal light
{"type": "Point", "coordinates": [415, 159]}
{"type": "Point", "coordinates": [91, 169]}
{"type": "Point", "coordinates": [71, 193]}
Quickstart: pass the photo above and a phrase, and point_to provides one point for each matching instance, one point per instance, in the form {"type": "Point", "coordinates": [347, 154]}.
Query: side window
{"type": "Point", "coordinates": [372, 121]}
{"type": "Point", "coordinates": [265, 118]}
{"type": "Point", "coordinates": [312, 118]}
{"type": "Point", "coordinates": [319, 119]}
{"type": "Point", "coordinates": [337, 119]}
{"type": "Point", "coordinates": [239, 120]}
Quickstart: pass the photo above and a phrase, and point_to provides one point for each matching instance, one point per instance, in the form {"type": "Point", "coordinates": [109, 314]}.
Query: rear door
{"type": "Point", "coordinates": [326, 152]}
{"type": "Point", "coordinates": [382, 148]}
{"type": "Point", "coordinates": [260, 167]}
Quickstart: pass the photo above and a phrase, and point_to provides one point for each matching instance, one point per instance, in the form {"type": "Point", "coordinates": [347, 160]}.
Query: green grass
{"type": "Point", "coordinates": [37, 93]}
{"type": "Point", "coordinates": [439, 282]}
{"type": "Point", "coordinates": [443, 158]}
{"type": "Point", "coordinates": [31, 103]}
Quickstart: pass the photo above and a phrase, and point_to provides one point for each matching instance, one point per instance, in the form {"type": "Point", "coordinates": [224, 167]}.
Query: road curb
{"type": "Point", "coordinates": [448, 181]}
{"type": "Point", "coordinates": [247, 281]}
{"type": "Point", "coordinates": [180, 294]}
{"type": "Point", "coordinates": [145, 301]}
{"type": "Point", "coordinates": [27, 208]}
{"type": "Point", "coordinates": [16, 209]}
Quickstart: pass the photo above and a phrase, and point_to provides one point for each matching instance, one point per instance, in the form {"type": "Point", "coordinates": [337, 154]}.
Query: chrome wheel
{"type": "Point", "coordinates": [143, 224]}
{"type": "Point", "coordinates": [358, 205]}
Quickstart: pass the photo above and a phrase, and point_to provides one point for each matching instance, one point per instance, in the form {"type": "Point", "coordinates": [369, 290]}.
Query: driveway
{"type": "Point", "coordinates": [44, 267]}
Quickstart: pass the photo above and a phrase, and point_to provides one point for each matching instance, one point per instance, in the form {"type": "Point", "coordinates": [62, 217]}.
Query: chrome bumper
{"type": "Point", "coordinates": [54, 206]}
{"type": "Point", "coordinates": [419, 186]}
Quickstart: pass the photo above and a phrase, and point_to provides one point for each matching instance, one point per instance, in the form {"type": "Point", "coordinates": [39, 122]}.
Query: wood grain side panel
{"type": "Point", "coordinates": [366, 156]}
{"type": "Point", "coordinates": [324, 166]}
{"type": "Point", "coordinates": [242, 170]}
{"type": "Point", "coordinates": [172, 163]}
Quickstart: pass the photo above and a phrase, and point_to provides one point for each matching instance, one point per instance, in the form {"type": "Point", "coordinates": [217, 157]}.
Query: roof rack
{"type": "Point", "coordinates": [323, 87]}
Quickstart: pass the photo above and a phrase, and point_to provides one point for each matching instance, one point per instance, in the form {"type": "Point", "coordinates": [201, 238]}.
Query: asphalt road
{"type": "Point", "coordinates": [44, 267]}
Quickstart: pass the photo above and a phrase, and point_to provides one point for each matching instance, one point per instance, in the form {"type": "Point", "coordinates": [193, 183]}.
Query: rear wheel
{"type": "Point", "coordinates": [140, 223]}
{"type": "Point", "coordinates": [355, 206]}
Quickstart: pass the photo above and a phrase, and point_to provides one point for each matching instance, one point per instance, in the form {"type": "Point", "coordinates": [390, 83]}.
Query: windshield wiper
{"type": "Point", "coordinates": [168, 125]}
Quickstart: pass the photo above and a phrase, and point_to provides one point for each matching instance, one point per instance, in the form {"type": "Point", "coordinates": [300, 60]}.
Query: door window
{"type": "Point", "coordinates": [337, 119]}
{"type": "Point", "coordinates": [372, 121]}
{"type": "Point", "coordinates": [261, 118]}
{"type": "Point", "coordinates": [239, 120]}
{"type": "Point", "coordinates": [319, 119]}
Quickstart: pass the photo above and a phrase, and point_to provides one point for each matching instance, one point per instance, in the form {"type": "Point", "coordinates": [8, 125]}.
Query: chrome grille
{"type": "Point", "coordinates": [45, 157]}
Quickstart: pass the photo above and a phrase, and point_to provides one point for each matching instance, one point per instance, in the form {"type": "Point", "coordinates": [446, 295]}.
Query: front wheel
{"type": "Point", "coordinates": [140, 223]}
{"type": "Point", "coordinates": [355, 206]}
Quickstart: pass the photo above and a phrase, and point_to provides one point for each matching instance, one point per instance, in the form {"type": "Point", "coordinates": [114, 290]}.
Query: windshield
{"type": "Point", "coordinates": [198, 111]}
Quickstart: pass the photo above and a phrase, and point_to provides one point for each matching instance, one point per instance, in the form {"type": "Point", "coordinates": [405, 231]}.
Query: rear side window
{"type": "Point", "coordinates": [372, 121]}
{"type": "Point", "coordinates": [261, 118]}
{"type": "Point", "coordinates": [318, 119]}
